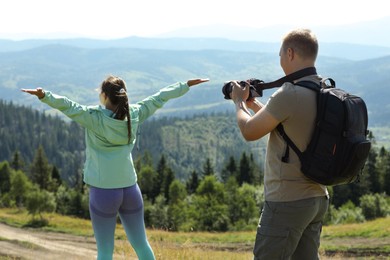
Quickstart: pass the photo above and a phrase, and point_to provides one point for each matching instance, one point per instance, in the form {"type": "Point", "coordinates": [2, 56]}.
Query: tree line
{"type": "Point", "coordinates": [39, 188]}
{"type": "Point", "coordinates": [206, 201]}
{"type": "Point", "coordinates": [218, 191]}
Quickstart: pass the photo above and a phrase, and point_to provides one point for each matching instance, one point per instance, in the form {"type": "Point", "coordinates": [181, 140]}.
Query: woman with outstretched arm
{"type": "Point", "coordinates": [110, 132]}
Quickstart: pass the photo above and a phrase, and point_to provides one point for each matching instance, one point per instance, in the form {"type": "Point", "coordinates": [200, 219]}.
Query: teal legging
{"type": "Point", "coordinates": [104, 205]}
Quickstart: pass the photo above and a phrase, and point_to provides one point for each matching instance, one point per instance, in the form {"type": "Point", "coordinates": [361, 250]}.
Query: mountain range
{"type": "Point", "coordinates": [75, 67]}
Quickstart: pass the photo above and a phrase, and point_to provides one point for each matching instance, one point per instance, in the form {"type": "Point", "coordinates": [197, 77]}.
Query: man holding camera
{"type": "Point", "coordinates": [291, 220]}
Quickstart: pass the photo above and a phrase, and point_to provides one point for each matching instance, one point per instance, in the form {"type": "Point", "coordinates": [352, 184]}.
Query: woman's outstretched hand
{"type": "Point", "coordinates": [39, 92]}
{"type": "Point", "coordinates": [193, 82]}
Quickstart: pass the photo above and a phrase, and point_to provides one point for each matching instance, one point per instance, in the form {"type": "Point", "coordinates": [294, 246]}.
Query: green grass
{"type": "Point", "coordinates": [371, 238]}
{"type": "Point", "coordinates": [379, 228]}
{"type": "Point", "coordinates": [23, 244]}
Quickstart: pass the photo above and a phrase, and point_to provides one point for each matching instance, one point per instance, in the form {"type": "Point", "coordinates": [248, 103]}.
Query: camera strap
{"type": "Point", "coordinates": [288, 78]}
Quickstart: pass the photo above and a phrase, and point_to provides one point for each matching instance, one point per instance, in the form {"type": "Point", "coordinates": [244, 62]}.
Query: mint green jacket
{"type": "Point", "coordinates": [109, 163]}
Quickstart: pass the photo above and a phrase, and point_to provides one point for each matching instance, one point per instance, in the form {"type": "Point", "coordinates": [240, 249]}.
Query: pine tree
{"type": "Point", "coordinates": [372, 171]}
{"type": "Point", "coordinates": [5, 177]}
{"type": "Point", "coordinates": [40, 170]}
{"type": "Point", "coordinates": [169, 177]}
{"type": "Point", "coordinates": [17, 161]}
{"type": "Point", "coordinates": [55, 179]}
{"type": "Point", "coordinates": [381, 165]}
{"type": "Point", "coordinates": [161, 169]}
{"type": "Point", "coordinates": [208, 168]}
{"type": "Point", "coordinates": [229, 170]}
{"type": "Point", "coordinates": [245, 172]}
{"type": "Point", "coordinates": [385, 170]}
{"type": "Point", "coordinates": [192, 183]}
{"type": "Point", "coordinates": [257, 175]}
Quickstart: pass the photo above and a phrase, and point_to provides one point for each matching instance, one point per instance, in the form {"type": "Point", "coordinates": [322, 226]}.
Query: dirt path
{"type": "Point", "coordinates": [16, 243]}
{"type": "Point", "coordinates": [26, 244]}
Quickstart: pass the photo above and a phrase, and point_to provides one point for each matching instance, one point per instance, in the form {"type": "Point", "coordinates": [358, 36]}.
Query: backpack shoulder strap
{"type": "Point", "coordinates": [312, 86]}
{"type": "Point", "coordinates": [316, 87]}
{"type": "Point", "coordinates": [309, 85]}
{"type": "Point", "coordinates": [290, 143]}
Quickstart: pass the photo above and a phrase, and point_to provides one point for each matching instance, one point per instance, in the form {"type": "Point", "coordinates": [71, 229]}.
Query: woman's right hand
{"type": "Point", "coordinates": [193, 82]}
{"type": "Point", "coordinates": [39, 92]}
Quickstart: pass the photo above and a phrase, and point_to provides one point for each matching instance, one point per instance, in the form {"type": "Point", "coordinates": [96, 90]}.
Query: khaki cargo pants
{"type": "Point", "coordinates": [290, 230]}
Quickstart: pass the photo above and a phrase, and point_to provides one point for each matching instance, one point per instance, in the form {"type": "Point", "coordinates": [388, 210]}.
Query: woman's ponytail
{"type": "Point", "coordinates": [115, 89]}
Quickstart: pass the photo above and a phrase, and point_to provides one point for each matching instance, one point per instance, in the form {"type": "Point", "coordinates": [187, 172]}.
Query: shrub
{"type": "Point", "coordinates": [347, 213]}
{"type": "Point", "coordinates": [39, 201]}
{"type": "Point", "coordinates": [375, 205]}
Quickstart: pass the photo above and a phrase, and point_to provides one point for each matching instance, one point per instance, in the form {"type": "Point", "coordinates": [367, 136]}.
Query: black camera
{"type": "Point", "coordinates": [255, 89]}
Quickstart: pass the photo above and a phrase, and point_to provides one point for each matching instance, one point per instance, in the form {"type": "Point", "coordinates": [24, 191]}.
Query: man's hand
{"type": "Point", "coordinates": [239, 93]}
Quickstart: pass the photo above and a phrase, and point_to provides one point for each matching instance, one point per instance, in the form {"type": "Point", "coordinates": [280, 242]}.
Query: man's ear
{"type": "Point", "coordinates": [290, 54]}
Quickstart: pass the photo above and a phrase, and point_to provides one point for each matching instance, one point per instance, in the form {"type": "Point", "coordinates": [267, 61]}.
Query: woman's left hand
{"type": "Point", "coordinates": [193, 82]}
{"type": "Point", "coordinates": [39, 92]}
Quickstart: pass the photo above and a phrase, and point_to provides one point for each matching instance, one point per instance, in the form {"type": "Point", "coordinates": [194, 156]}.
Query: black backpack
{"type": "Point", "coordinates": [339, 147]}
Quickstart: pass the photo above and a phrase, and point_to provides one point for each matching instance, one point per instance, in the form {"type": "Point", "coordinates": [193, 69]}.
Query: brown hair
{"type": "Point", "coordinates": [115, 89]}
{"type": "Point", "coordinates": [303, 42]}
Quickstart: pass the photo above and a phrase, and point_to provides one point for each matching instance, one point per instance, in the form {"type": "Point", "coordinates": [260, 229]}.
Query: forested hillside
{"type": "Point", "coordinates": [186, 142]}
{"type": "Point", "coordinates": [23, 130]}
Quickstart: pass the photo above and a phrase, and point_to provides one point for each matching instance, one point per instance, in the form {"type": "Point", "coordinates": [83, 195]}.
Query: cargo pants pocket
{"type": "Point", "coordinates": [271, 243]}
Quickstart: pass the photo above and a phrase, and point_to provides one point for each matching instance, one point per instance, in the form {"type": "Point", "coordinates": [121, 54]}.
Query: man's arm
{"type": "Point", "coordinates": [256, 126]}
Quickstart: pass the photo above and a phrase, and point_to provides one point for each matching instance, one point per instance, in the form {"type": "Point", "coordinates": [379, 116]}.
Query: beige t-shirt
{"type": "Point", "coordinates": [295, 107]}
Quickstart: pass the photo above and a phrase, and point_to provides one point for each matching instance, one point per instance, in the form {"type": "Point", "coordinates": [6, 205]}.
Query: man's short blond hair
{"type": "Point", "coordinates": [303, 42]}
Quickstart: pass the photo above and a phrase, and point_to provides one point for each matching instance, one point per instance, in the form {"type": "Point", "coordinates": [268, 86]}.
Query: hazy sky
{"type": "Point", "coordinates": [122, 18]}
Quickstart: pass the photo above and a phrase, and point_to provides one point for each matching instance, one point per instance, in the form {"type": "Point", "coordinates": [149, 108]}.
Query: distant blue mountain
{"type": "Point", "coordinates": [332, 49]}
{"type": "Point", "coordinates": [76, 72]}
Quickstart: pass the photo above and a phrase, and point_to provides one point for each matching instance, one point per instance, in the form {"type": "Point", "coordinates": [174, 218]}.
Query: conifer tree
{"type": "Point", "coordinates": [17, 161]}
{"type": "Point", "coordinates": [372, 171]}
{"type": "Point", "coordinates": [382, 167]}
{"type": "Point", "coordinates": [5, 177]}
{"type": "Point", "coordinates": [161, 169]}
{"type": "Point", "coordinates": [55, 179]}
{"type": "Point", "coordinates": [40, 170]}
{"type": "Point", "coordinates": [230, 170]}
{"type": "Point", "coordinates": [386, 175]}
{"type": "Point", "coordinates": [192, 183]}
{"type": "Point", "coordinates": [207, 168]}
{"type": "Point", "coordinates": [257, 174]}
{"type": "Point", "coordinates": [245, 171]}
{"type": "Point", "coordinates": [169, 177]}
